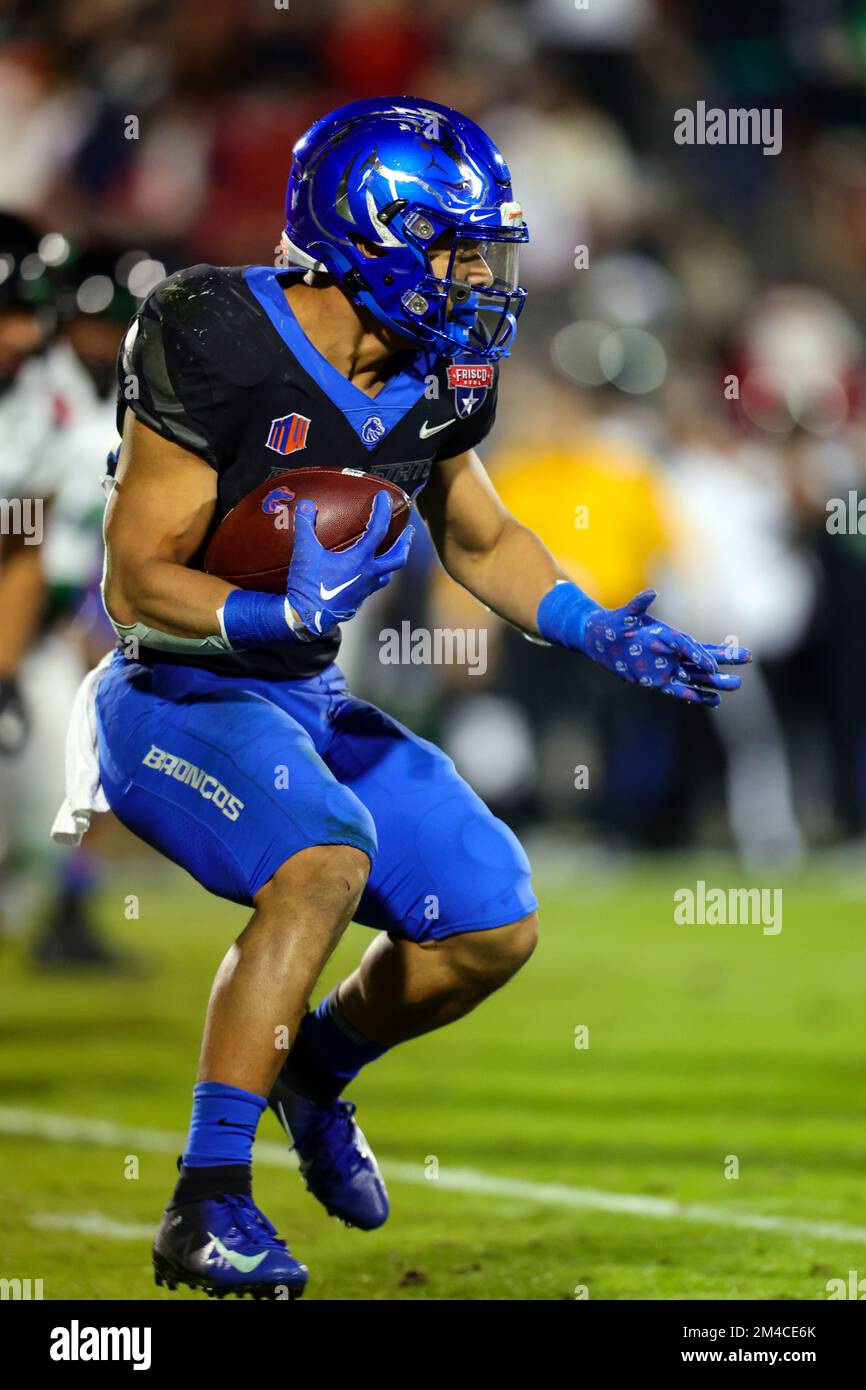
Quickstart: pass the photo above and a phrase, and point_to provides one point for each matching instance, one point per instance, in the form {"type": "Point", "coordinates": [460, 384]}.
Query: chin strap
{"type": "Point", "coordinates": [461, 318]}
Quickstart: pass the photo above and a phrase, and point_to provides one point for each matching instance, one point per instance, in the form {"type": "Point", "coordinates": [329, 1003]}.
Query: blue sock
{"type": "Point", "coordinates": [328, 1054]}
{"type": "Point", "coordinates": [223, 1125]}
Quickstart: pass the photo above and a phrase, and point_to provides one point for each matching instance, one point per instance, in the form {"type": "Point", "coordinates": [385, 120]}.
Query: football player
{"type": "Point", "coordinates": [227, 737]}
{"type": "Point", "coordinates": [94, 306]}
{"type": "Point", "coordinates": [38, 669]}
{"type": "Point", "coordinates": [54, 430]}
{"type": "Point", "coordinates": [28, 448]}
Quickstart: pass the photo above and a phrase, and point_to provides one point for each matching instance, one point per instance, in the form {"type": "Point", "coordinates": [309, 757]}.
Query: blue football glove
{"type": "Point", "coordinates": [326, 587]}
{"type": "Point", "coordinates": [323, 587]}
{"type": "Point", "coordinates": [637, 648]}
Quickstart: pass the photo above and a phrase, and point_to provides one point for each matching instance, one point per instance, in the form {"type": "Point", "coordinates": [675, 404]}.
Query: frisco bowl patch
{"type": "Point", "coordinates": [471, 375]}
{"type": "Point", "coordinates": [470, 382]}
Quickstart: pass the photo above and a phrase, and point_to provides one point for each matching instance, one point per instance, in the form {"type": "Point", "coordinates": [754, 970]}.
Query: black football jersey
{"type": "Point", "coordinates": [216, 361]}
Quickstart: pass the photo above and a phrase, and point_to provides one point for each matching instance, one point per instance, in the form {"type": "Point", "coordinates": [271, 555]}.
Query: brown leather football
{"type": "Point", "coordinates": [252, 546]}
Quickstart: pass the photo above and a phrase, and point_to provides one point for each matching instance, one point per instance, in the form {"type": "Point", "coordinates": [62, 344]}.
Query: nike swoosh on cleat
{"type": "Point", "coordinates": [426, 430]}
{"type": "Point", "coordinates": [332, 593]}
{"type": "Point", "coordinates": [244, 1264]}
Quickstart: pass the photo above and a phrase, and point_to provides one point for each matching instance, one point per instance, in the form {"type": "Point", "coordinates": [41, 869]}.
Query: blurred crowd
{"type": "Point", "coordinates": [684, 401]}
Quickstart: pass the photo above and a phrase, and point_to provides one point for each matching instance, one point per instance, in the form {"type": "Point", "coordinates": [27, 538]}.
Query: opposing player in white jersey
{"type": "Point", "coordinates": [61, 319]}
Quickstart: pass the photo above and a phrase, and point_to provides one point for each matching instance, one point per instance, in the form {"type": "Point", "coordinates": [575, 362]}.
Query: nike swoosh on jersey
{"type": "Point", "coordinates": [427, 430]}
{"type": "Point", "coordinates": [244, 1264]}
{"type": "Point", "coordinates": [332, 593]}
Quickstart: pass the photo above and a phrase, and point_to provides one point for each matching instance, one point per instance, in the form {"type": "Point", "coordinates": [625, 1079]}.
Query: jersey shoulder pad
{"type": "Point", "coordinates": [209, 312]}
{"type": "Point", "coordinates": [197, 341]}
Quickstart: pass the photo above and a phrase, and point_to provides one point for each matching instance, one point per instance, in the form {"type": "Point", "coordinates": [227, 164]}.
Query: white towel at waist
{"type": "Point", "coordinates": [84, 793]}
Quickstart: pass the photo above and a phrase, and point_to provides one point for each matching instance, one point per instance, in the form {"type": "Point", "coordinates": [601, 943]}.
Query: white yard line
{"type": "Point", "coordinates": [69, 1129]}
{"type": "Point", "coordinates": [91, 1223]}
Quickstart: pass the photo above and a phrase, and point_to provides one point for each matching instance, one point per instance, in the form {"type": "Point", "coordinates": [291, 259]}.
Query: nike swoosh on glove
{"type": "Point", "coordinates": [326, 587]}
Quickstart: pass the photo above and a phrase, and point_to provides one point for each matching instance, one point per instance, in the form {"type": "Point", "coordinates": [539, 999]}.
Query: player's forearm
{"type": "Point", "coordinates": [22, 599]}
{"type": "Point", "coordinates": [167, 597]}
{"type": "Point", "coordinates": [511, 577]}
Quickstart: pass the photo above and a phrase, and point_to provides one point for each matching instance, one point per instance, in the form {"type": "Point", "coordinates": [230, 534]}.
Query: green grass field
{"type": "Point", "coordinates": [704, 1042]}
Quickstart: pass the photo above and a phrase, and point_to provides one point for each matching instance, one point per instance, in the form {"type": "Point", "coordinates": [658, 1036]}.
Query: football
{"type": "Point", "coordinates": [252, 546]}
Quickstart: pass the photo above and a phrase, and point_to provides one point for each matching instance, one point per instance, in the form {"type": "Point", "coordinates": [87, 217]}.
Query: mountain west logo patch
{"type": "Point", "coordinates": [470, 382]}
{"type": "Point", "coordinates": [288, 434]}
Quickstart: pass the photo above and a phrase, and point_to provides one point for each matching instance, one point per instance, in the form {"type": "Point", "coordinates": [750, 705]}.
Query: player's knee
{"type": "Point", "coordinates": [488, 959]}
{"type": "Point", "coordinates": [325, 878]}
{"type": "Point", "coordinates": [342, 867]}
{"type": "Point", "coordinates": [516, 945]}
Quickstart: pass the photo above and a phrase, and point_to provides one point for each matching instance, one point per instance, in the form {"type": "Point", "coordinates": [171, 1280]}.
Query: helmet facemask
{"type": "Point", "coordinates": [476, 290]}
{"type": "Point", "coordinates": [464, 295]}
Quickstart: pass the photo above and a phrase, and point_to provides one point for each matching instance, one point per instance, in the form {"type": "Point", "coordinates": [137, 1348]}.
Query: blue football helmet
{"type": "Point", "coordinates": [399, 177]}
